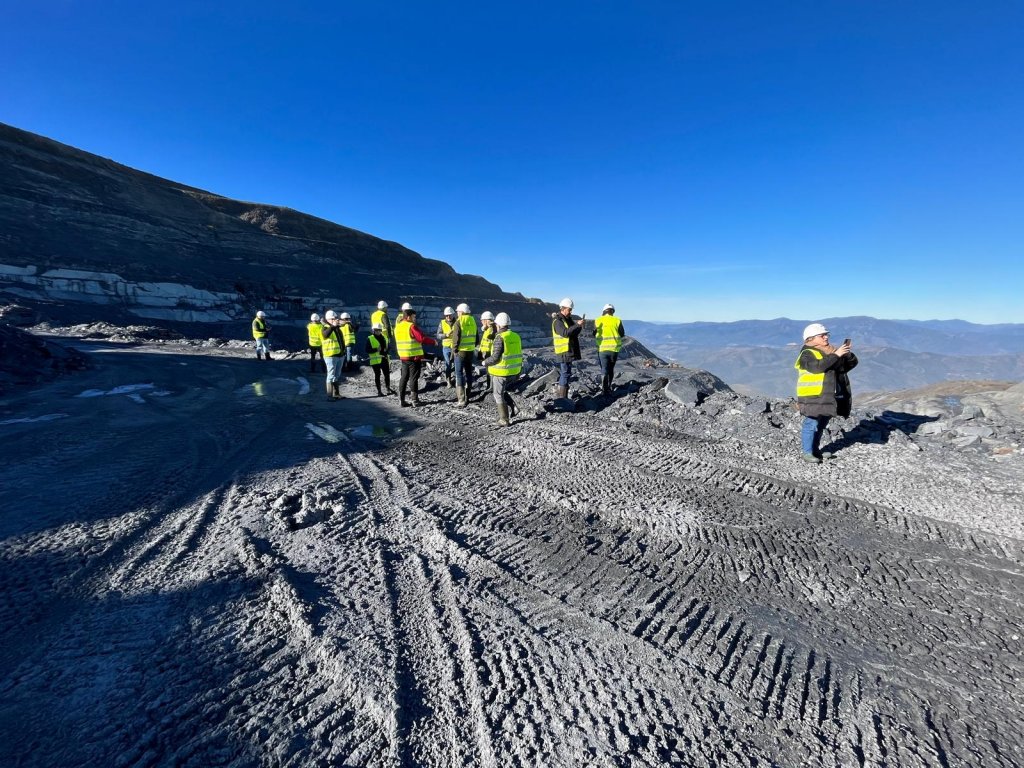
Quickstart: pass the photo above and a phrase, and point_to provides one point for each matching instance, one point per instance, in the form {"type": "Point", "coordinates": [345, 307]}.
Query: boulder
{"type": "Point", "coordinates": [975, 430]}
{"type": "Point", "coordinates": [693, 387]}
{"type": "Point", "coordinates": [537, 386]}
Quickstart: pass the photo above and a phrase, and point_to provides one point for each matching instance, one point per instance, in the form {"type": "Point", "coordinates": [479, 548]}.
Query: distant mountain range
{"type": "Point", "coordinates": [756, 356]}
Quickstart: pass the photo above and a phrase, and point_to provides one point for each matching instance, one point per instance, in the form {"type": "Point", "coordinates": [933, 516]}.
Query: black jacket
{"type": "Point", "coordinates": [567, 327]}
{"type": "Point", "coordinates": [836, 398]}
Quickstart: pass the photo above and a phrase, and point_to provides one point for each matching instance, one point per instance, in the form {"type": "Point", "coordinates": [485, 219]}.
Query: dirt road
{"type": "Point", "coordinates": [203, 562]}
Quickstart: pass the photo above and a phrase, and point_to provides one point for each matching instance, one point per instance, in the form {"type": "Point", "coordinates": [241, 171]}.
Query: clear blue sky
{"type": "Point", "coordinates": [685, 161]}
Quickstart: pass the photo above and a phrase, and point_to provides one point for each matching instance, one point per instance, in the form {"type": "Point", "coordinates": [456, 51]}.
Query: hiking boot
{"type": "Point", "coordinates": [461, 394]}
{"type": "Point", "coordinates": [503, 415]}
{"type": "Point", "coordinates": [810, 458]}
{"type": "Point", "coordinates": [337, 391]}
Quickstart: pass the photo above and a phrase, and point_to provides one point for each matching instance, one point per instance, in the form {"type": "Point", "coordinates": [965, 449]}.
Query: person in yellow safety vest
{"type": "Point", "coordinates": [464, 340]}
{"type": "Point", "coordinates": [487, 332]}
{"type": "Point", "coordinates": [608, 332]}
{"type": "Point", "coordinates": [348, 336]}
{"type": "Point", "coordinates": [260, 332]}
{"type": "Point", "coordinates": [377, 352]}
{"type": "Point", "coordinates": [822, 387]}
{"type": "Point", "coordinates": [314, 332]}
{"type": "Point", "coordinates": [503, 366]}
{"type": "Point", "coordinates": [334, 352]}
{"type": "Point", "coordinates": [444, 333]}
{"type": "Point", "coordinates": [410, 340]}
{"type": "Point", "coordinates": [381, 317]}
{"type": "Point", "coordinates": [401, 314]}
{"type": "Point", "coordinates": [565, 333]}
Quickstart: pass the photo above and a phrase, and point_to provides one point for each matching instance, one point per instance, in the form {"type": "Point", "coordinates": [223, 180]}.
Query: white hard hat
{"type": "Point", "coordinates": [449, 311]}
{"type": "Point", "coordinates": [606, 307]}
{"type": "Point", "coordinates": [464, 308]}
{"type": "Point", "coordinates": [503, 320]}
{"type": "Point", "coordinates": [406, 306]}
{"type": "Point", "coordinates": [487, 316]}
{"type": "Point", "coordinates": [378, 327]}
{"type": "Point", "coordinates": [346, 316]}
{"type": "Point", "coordinates": [382, 305]}
{"type": "Point", "coordinates": [261, 313]}
{"type": "Point", "coordinates": [330, 314]}
{"type": "Point", "coordinates": [314, 318]}
{"type": "Point", "coordinates": [566, 302]}
{"type": "Point", "coordinates": [814, 329]}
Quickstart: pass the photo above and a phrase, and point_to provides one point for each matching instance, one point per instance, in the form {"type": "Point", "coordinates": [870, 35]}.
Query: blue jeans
{"type": "Point", "coordinates": [810, 433]}
{"type": "Point", "coordinates": [564, 372]}
{"type": "Point", "coordinates": [464, 369]}
{"type": "Point", "coordinates": [263, 345]}
{"type": "Point", "coordinates": [349, 351]}
{"type": "Point", "coordinates": [334, 368]}
{"type": "Point", "coordinates": [447, 352]}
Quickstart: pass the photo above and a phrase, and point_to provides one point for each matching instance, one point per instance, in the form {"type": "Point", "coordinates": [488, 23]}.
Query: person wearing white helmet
{"type": "Point", "coordinates": [608, 332]}
{"type": "Point", "coordinates": [822, 387]}
{"type": "Point", "coordinates": [260, 333]}
{"type": "Point", "coordinates": [565, 333]}
{"type": "Point", "coordinates": [314, 333]}
{"type": "Point", "coordinates": [334, 352]}
{"type": "Point", "coordinates": [406, 306]}
{"type": "Point", "coordinates": [464, 340]}
{"type": "Point", "coordinates": [503, 366]}
{"type": "Point", "coordinates": [377, 353]}
{"type": "Point", "coordinates": [348, 335]}
{"type": "Point", "coordinates": [410, 341]}
{"type": "Point", "coordinates": [444, 333]}
{"type": "Point", "coordinates": [381, 317]}
{"type": "Point", "coordinates": [483, 351]}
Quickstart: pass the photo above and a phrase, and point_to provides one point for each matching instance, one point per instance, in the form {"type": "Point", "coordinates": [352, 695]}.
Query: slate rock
{"type": "Point", "coordinates": [976, 430]}
{"type": "Point", "coordinates": [693, 387]}
{"type": "Point", "coordinates": [537, 386]}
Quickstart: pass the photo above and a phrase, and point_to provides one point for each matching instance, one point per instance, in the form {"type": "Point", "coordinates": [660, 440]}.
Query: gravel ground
{"type": "Point", "coordinates": [203, 562]}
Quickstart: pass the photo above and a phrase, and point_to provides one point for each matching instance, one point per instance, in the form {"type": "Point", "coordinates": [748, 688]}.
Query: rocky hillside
{"type": "Point", "coordinates": [83, 237]}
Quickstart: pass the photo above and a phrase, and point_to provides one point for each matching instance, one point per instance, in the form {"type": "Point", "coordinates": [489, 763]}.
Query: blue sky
{"type": "Point", "coordinates": [685, 161]}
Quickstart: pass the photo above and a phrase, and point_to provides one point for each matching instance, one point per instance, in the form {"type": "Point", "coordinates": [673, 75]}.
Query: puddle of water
{"type": "Point", "coordinates": [303, 385]}
{"type": "Point", "coordinates": [136, 397]}
{"type": "Point", "coordinates": [371, 430]}
{"type": "Point", "coordinates": [30, 419]}
{"type": "Point", "coordinates": [327, 432]}
{"type": "Point", "coordinates": [160, 393]}
{"type": "Point", "coordinates": [124, 389]}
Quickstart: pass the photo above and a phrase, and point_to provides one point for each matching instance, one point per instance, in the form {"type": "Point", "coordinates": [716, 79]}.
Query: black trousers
{"type": "Point", "coordinates": [410, 372]}
{"type": "Point", "coordinates": [314, 353]}
{"type": "Point", "coordinates": [382, 367]}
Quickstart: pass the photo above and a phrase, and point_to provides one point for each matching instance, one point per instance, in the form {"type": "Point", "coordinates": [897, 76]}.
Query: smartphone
{"type": "Point", "coordinates": [846, 342]}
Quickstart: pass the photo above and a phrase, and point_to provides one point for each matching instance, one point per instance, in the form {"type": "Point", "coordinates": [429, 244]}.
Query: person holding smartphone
{"type": "Point", "coordinates": [823, 387]}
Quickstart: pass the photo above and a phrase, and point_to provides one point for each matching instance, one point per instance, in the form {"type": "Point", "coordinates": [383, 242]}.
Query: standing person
{"type": "Point", "coordinates": [822, 387]}
{"type": "Point", "coordinates": [334, 354]}
{"type": "Point", "coordinates": [504, 365]}
{"type": "Point", "coordinates": [261, 332]}
{"type": "Point", "coordinates": [316, 342]}
{"type": "Point", "coordinates": [608, 331]}
{"type": "Point", "coordinates": [381, 317]}
{"type": "Point", "coordinates": [348, 336]}
{"type": "Point", "coordinates": [377, 352]}
{"type": "Point", "coordinates": [464, 339]}
{"type": "Point", "coordinates": [410, 340]}
{"type": "Point", "coordinates": [565, 333]}
{"type": "Point", "coordinates": [444, 333]}
{"type": "Point", "coordinates": [487, 333]}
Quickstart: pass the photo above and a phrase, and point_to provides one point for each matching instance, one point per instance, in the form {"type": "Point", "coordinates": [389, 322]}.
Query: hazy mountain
{"type": "Point", "coordinates": [758, 355]}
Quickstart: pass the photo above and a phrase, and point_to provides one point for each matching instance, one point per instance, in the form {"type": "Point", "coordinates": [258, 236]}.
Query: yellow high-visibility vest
{"type": "Point", "coordinates": [375, 355]}
{"type": "Point", "coordinates": [608, 338]}
{"type": "Point", "coordinates": [511, 362]}
{"type": "Point", "coordinates": [561, 342]}
{"type": "Point", "coordinates": [809, 384]}
{"type": "Point", "coordinates": [446, 329]}
{"type": "Point", "coordinates": [331, 345]}
{"type": "Point", "coordinates": [316, 337]}
{"type": "Point", "coordinates": [487, 339]}
{"type": "Point", "coordinates": [380, 316]}
{"type": "Point", "coordinates": [349, 334]}
{"type": "Point", "coordinates": [467, 333]}
{"type": "Point", "coordinates": [259, 328]}
{"type": "Point", "coordinates": [408, 347]}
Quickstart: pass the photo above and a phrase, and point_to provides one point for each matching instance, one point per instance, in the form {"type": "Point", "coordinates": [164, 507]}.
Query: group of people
{"type": "Point", "coordinates": [823, 386]}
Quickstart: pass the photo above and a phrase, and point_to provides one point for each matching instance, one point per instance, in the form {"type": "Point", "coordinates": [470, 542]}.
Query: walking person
{"type": "Point", "coordinates": [464, 341]}
{"type": "Point", "coordinates": [503, 366]}
{"type": "Point", "coordinates": [822, 388]}
{"type": "Point", "coordinates": [608, 331]}
{"type": "Point", "coordinates": [565, 333]}
{"type": "Point", "coordinates": [334, 353]}
{"type": "Point", "coordinates": [410, 340]}
{"type": "Point", "coordinates": [377, 352]}
{"type": "Point", "coordinates": [261, 333]}
{"type": "Point", "coordinates": [444, 333]}
{"type": "Point", "coordinates": [314, 332]}
{"type": "Point", "coordinates": [348, 335]}
{"type": "Point", "coordinates": [487, 331]}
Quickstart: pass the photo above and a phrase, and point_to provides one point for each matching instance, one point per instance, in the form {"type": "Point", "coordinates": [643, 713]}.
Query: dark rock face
{"type": "Point", "coordinates": [27, 359]}
{"type": "Point", "coordinates": [78, 228]}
